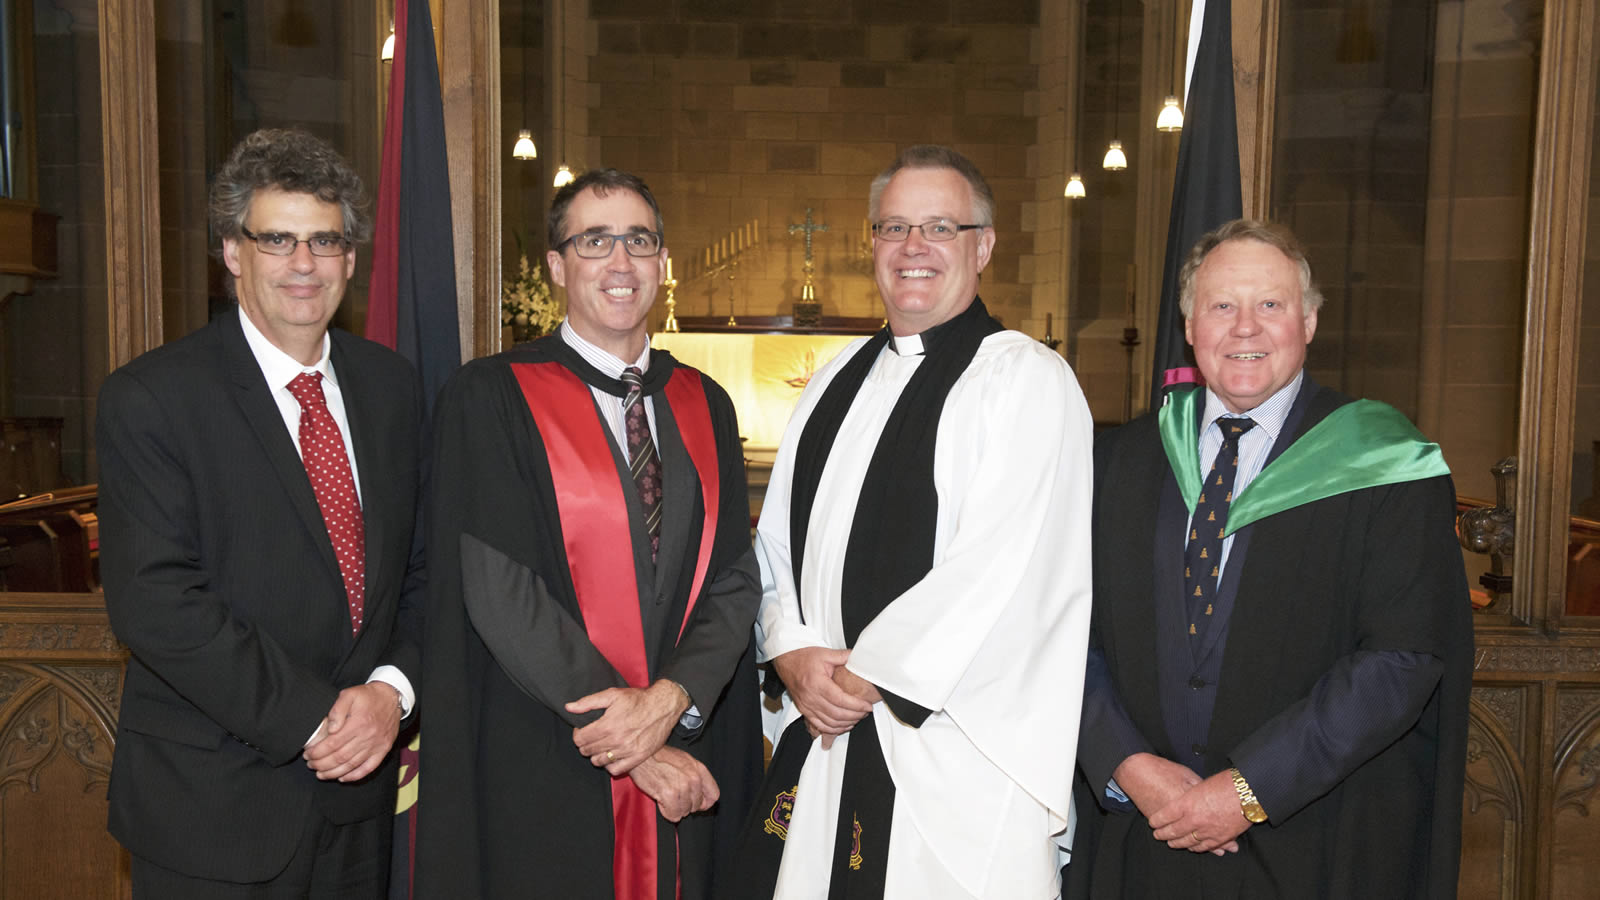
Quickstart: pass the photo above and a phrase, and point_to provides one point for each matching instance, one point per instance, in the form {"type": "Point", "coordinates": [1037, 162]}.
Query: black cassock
{"type": "Point", "coordinates": [508, 807]}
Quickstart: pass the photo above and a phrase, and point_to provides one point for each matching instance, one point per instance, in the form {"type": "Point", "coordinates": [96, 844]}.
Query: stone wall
{"type": "Point", "coordinates": [740, 111]}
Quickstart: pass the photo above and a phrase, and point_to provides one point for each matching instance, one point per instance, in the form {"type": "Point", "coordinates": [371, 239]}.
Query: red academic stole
{"type": "Point", "coordinates": [599, 545]}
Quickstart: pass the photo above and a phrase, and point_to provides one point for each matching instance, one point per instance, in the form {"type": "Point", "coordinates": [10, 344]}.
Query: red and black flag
{"type": "Point", "coordinates": [412, 304]}
{"type": "Point", "coordinates": [1205, 190]}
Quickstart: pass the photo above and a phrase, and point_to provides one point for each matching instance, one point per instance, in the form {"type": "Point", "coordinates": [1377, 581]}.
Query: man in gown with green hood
{"type": "Point", "coordinates": [1276, 698]}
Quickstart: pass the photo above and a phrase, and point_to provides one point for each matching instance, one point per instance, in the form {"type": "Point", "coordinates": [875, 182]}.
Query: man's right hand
{"type": "Point", "coordinates": [678, 783]}
{"type": "Point", "coordinates": [1152, 782]}
{"type": "Point", "coordinates": [808, 674]}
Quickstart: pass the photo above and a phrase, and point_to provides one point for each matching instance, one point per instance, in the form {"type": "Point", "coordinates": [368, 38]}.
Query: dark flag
{"type": "Point", "coordinates": [411, 306]}
{"type": "Point", "coordinates": [1205, 190]}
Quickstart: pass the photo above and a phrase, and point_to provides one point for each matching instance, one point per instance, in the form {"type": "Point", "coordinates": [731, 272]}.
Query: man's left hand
{"type": "Point", "coordinates": [357, 733]}
{"type": "Point", "coordinates": [1205, 819]}
{"type": "Point", "coordinates": [634, 726]}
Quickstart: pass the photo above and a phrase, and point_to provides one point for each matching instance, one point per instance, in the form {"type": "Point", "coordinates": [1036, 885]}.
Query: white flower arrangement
{"type": "Point", "coordinates": [526, 303]}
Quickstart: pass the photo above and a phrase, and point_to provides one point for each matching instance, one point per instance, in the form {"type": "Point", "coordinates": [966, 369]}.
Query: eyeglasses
{"type": "Point", "coordinates": [932, 230]}
{"type": "Point", "coordinates": [597, 244]}
{"type": "Point", "coordinates": [282, 243]}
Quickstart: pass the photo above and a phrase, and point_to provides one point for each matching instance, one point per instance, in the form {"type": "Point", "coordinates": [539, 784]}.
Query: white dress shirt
{"type": "Point", "coordinates": [279, 368]}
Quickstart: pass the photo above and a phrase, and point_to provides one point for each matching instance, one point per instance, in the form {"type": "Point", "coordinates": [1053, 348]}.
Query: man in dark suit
{"type": "Point", "coordinates": [257, 508]}
{"type": "Point", "coordinates": [1276, 697]}
{"type": "Point", "coordinates": [592, 591]}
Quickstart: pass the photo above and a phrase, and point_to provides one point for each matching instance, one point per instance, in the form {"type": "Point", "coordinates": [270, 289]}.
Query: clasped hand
{"type": "Point", "coordinates": [1201, 816]}
{"type": "Point", "coordinates": [356, 734]}
{"type": "Point", "coordinates": [635, 724]}
{"type": "Point", "coordinates": [830, 697]}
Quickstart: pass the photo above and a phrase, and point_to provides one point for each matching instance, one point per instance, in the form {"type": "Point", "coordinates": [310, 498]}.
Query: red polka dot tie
{"type": "Point", "coordinates": [322, 451]}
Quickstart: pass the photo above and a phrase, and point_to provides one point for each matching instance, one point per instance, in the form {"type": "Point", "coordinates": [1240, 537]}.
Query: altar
{"type": "Point", "coordinates": [763, 371]}
{"type": "Point", "coordinates": [763, 365]}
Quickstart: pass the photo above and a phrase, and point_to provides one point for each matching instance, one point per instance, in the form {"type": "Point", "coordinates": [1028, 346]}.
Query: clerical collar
{"type": "Point", "coordinates": [1269, 416]}
{"type": "Point", "coordinates": [608, 364]}
{"type": "Point", "coordinates": [909, 345]}
{"type": "Point", "coordinates": [278, 367]}
{"type": "Point", "coordinates": [935, 338]}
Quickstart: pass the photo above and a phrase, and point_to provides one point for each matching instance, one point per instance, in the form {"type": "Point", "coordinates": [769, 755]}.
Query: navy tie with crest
{"type": "Point", "coordinates": [1202, 557]}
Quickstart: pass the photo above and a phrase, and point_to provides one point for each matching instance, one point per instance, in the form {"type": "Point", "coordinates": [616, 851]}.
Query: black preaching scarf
{"type": "Point", "coordinates": [890, 550]}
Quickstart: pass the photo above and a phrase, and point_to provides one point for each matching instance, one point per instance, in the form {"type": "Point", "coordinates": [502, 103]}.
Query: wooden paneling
{"type": "Point", "coordinates": [60, 686]}
{"type": "Point", "coordinates": [1255, 86]}
{"type": "Point", "coordinates": [133, 209]}
{"type": "Point", "coordinates": [469, 75]}
{"type": "Point", "coordinates": [1564, 142]}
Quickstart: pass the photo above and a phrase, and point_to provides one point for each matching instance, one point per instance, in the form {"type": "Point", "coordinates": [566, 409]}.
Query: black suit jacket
{"type": "Point", "coordinates": [221, 579]}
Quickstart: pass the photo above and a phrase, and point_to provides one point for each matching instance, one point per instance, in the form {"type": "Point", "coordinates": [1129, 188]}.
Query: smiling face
{"type": "Point", "coordinates": [925, 283]}
{"type": "Point", "coordinates": [1249, 329]}
{"type": "Point", "coordinates": [608, 299]}
{"type": "Point", "coordinates": [290, 298]}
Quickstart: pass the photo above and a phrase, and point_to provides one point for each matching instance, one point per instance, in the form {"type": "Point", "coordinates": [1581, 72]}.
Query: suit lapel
{"type": "Point", "coordinates": [250, 391]}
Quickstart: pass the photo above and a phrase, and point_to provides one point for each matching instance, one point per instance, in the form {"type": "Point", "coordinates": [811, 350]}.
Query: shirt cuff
{"type": "Point", "coordinates": [691, 718]}
{"type": "Point", "coordinates": [396, 679]}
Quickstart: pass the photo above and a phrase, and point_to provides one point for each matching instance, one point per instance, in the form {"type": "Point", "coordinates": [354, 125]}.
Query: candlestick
{"type": "Point", "coordinates": [669, 268]}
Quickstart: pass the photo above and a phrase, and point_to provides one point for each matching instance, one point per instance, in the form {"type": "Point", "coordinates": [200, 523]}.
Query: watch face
{"type": "Point", "coordinates": [1256, 815]}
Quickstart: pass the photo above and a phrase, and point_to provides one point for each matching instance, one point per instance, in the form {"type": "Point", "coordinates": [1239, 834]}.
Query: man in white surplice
{"type": "Point", "coordinates": [968, 540]}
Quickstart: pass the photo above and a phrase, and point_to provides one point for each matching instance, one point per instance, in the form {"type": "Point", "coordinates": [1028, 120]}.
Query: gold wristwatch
{"type": "Point", "coordinates": [1247, 799]}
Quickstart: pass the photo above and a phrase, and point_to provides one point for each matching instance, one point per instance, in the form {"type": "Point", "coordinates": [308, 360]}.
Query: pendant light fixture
{"type": "Point", "coordinates": [387, 54]}
{"type": "Point", "coordinates": [1116, 160]}
{"type": "Point", "coordinates": [1074, 190]}
{"type": "Point", "coordinates": [1171, 117]}
{"type": "Point", "coordinates": [563, 176]}
{"type": "Point", "coordinates": [524, 147]}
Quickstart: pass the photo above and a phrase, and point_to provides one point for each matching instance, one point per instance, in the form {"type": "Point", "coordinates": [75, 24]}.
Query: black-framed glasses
{"type": "Point", "coordinates": [597, 244]}
{"type": "Point", "coordinates": [932, 230]}
{"type": "Point", "coordinates": [282, 243]}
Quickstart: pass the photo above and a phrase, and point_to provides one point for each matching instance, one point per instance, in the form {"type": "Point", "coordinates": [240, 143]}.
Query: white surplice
{"type": "Point", "coordinates": [992, 639]}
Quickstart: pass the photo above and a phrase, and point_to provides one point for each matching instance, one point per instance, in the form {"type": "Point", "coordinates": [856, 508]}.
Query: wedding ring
{"type": "Point", "coordinates": [1194, 836]}
{"type": "Point", "coordinates": [610, 756]}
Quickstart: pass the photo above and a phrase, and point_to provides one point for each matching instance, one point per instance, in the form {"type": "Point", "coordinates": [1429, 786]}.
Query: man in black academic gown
{"type": "Point", "coordinates": [1276, 698]}
{"type": "Point", "coordinates": [592, 591]}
